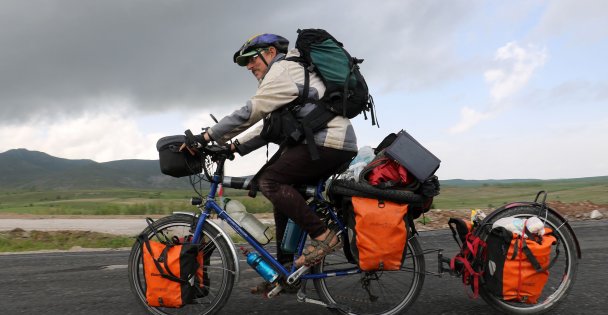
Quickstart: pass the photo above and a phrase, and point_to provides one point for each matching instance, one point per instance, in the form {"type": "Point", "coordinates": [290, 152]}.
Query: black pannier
{"type": "Point", "coordinates": [176, 163]}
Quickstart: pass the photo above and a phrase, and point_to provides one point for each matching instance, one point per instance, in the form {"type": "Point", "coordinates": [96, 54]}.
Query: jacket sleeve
{"type": "Point", "coordinates": [250, 142]}
{"type": "Point", "coordinates": [276, 90]}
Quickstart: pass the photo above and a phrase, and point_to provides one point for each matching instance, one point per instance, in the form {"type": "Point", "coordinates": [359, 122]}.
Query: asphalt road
{"type": "Point", "coordinates": [96, 283]}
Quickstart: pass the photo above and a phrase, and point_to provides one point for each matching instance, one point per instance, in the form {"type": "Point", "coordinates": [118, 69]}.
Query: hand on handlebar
{"type": "Point", "coordinates": [193, 142]}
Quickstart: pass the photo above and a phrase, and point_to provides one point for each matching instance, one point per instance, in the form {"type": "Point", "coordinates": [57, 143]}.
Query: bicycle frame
{"type": "Point", "coordinates": [210, 206]}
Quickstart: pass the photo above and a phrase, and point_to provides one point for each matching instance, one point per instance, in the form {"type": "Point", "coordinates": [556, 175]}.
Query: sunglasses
{"type": "Point", "coordinates": [254, 57]}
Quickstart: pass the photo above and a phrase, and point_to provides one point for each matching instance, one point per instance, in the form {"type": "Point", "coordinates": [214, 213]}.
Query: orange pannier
{"type": "Point", "coordinates": [170, 271]}
{"type": "Point", "coordinates": [381, 233]}
{"type": "Point", "coordinates": [517, 267]}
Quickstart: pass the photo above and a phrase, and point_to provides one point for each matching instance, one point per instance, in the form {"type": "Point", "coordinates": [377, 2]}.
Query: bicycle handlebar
{"type": "Point", "coordinates": [237, 182]}
{"type": "Point", "coordinates": [244, 182]}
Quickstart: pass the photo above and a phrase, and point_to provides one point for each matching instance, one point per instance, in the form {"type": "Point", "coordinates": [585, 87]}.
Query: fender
{"type": "Point", "coordinates": [225, 236]}
{"type": "Point", "coordinates": [540, 207]}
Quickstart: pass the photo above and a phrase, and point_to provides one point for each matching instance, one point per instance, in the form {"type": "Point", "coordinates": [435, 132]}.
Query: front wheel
{"type": "Point", "coordinates": [561, 275]}
{"type": "Point", "coordinates": [380, 292]}
{"type": "Point", "coordinates": [218, 269]}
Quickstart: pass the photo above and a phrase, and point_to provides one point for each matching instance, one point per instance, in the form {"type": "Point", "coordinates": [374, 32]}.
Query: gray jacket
{"type": "Point", "coordinates": [282, 84]}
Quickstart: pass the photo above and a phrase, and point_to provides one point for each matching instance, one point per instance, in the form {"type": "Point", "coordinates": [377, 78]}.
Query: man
{"type": "Point", "coordinates": [281, 82]}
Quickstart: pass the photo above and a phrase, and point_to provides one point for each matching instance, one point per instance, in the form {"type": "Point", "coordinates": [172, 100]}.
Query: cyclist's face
{"type": "Point", "coordinates": [257, 66]}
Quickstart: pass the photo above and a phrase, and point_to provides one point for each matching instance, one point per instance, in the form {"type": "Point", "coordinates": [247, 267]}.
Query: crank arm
{"type": "Point", "coordinates": [297, 274]}
{"type": "Point", "coordinates": [303, 298]}
{"type": "Point", "coordinates": [275, 291]}
{"type": "Point", "coordinates": [345, 309]}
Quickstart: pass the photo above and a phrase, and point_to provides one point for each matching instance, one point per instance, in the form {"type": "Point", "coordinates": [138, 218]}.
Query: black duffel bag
{"type": "Point", "coordinates": [176, 163]}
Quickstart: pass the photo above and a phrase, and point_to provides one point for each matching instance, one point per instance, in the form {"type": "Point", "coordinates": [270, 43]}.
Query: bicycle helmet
{"type": "Point", "coordinates": [256, 44]}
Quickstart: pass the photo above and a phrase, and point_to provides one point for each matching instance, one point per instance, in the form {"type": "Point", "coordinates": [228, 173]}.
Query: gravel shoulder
{"type": "Point", "coordinates": [132, 224]}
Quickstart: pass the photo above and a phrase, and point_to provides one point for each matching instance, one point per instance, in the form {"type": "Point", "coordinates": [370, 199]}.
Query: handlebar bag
{"type": "Point", "coordinates": [176, 163]}
{"type": "Point", "coordinates": [380, 233]}
{"type": "Point", "coordinates": [171, 272]}
{"type": "Point", "coordinates": [517, 267]}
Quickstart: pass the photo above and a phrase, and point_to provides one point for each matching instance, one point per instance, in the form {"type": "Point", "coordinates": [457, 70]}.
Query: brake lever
{"type": "Point", "coordinates": [191, 141]}
{"type": "Point", "coordinates": [189, 138]}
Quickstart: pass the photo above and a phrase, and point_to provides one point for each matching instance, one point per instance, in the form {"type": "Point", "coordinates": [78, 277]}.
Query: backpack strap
{"type": "Point", "coordinates": [308, 133]}
{"type": "Point", "coordinates": [318, 117]}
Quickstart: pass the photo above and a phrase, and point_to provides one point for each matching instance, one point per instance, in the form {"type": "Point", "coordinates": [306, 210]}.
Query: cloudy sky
{"type": "Point", "coordinates": [496, 89]}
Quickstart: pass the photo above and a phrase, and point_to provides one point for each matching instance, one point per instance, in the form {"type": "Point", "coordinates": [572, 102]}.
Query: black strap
{"type": "Point", "coordinates": [345, 90]}
{"type": "Point", "coordinates": [162, 256]}
{"type": "Point", "coordinates": [253, 190]}
{"type": "Point", "coordinates": [411, 223]}
{"type": "Point", "coordinates": [453, 223]}
{"type": "Point", "coordinates": [304, 96]}
{"type": "Point", "coordinates": [530, 256]}
{"type": "Point", "coordinates": [556, 255]}
{"type": "Point", "coordinates": [534, 261]}
{"type": "Point", "coordinates": [526, 250]}
{"type": "Point", "coordinates": [308, 133]}
{"type": "Point", "coordinates": [318, 117]}
{"type": "Point", "coordinates": [150, 223]}
{"type": "Point", "coordinates": [515, 249]}
{"type": "Point", "coordinates": [372, 111]}
{"type": "Point", "coordinates": [262, 56]}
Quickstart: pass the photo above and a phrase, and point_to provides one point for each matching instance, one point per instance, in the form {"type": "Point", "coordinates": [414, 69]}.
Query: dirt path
{"type": "Point", "coordinates": [131, 225]}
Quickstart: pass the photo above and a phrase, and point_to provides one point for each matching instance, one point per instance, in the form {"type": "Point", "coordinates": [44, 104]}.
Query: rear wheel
{"type": "Point", "coordinates": [561, 275]}
{"type": "Point", "coordinates": [218, 270]}
{"type": "Point", "coordinates": [381, 292]}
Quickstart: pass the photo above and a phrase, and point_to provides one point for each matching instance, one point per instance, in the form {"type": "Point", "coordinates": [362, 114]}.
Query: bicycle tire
{"type": "Point", "coordinates": [347, 295]}
{"type": "Point", "coordinates": [561, 275]}
{"type": "Point", "coordinates": [220, 271]}
{"type": "Point", "coordinates": [352, 188]}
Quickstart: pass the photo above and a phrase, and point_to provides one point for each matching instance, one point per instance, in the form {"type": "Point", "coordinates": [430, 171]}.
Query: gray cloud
{"type": "Point", "coordinates": [65, 56]}
{"type": "Point", "coordinates": [582, 21]}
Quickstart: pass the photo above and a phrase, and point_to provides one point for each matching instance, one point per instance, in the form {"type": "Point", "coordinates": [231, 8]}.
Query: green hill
{"type": "Point", "coordinates": [37, 183]}
{"type": "Point", "coordinates": [33, 170]}
{"type": "Point", "coordinates": [492, 193]}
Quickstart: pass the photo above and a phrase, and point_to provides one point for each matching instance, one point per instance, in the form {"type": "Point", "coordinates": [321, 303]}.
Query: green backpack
{"type": "Point", "coordinates": [346, 92]}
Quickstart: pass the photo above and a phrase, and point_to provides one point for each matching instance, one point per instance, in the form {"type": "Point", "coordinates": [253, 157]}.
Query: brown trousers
{"type": "Point", "coordinates": [295, 167]}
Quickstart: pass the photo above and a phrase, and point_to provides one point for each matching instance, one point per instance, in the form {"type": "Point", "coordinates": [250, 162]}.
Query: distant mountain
{"type": "Point", "coordinates": [24, 169]}
{"type": "Point", "coordinates": [528, 181]}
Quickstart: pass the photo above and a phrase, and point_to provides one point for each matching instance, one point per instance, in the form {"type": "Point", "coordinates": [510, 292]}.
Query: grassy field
{"type": "Point", "coordinates": [144, 202]}
{"type": "Point", "coordinates": [492, 196]}
{"type": "Point", "coordinates": [19, 240]}
{"type": "Point", "coordinates": [111, 202]}
{"type": "Point", "coordinates": [148, 202]}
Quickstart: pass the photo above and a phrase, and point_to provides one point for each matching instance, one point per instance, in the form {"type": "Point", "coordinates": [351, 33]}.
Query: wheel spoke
{"type": "Point", "coordinates": [382, 292]}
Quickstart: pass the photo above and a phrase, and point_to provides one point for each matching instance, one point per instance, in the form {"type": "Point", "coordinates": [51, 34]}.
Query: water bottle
{"type": "Point", "coordinates": [247, 221]}
{"type": "Point", "coordinates": [291, 238]}
{"type": "Point", "coordinates": [261, 266]}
